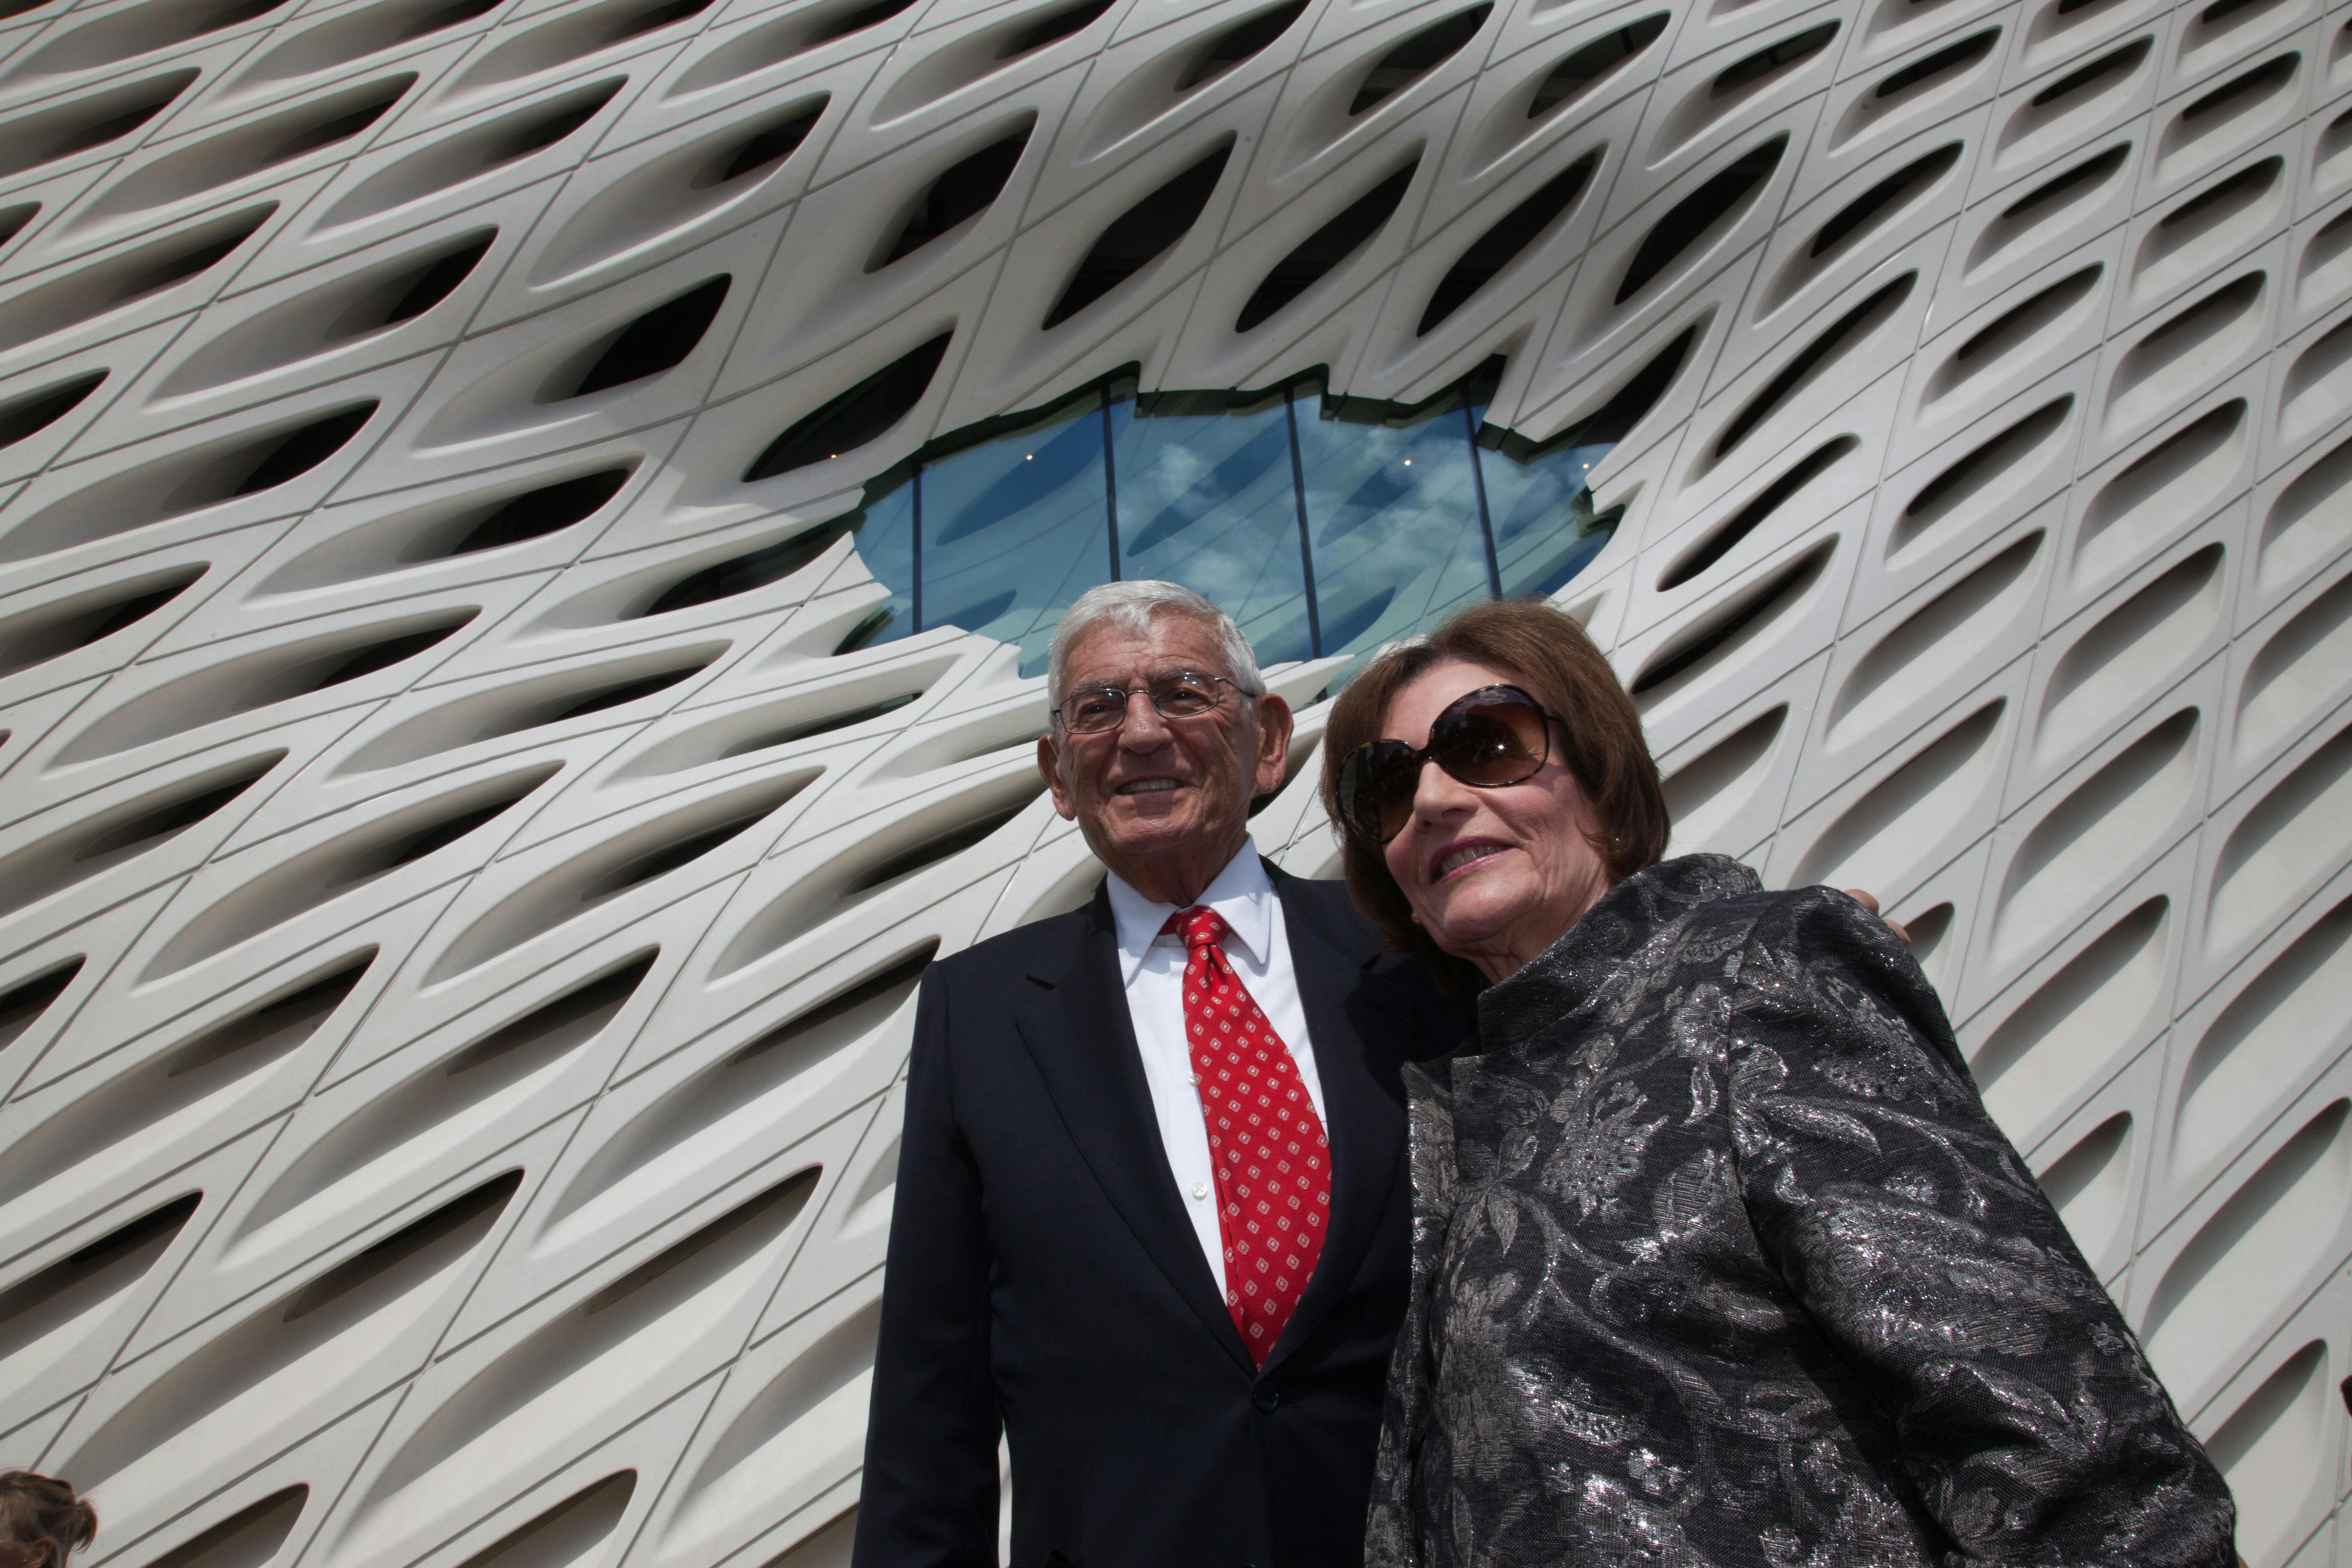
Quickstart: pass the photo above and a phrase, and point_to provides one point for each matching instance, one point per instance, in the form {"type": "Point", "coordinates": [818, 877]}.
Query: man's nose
{"type": "Point", "coordinates": [1144, 729]}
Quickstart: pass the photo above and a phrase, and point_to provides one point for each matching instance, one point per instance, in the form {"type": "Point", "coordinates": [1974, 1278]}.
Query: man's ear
{"type": "Point", "coordinates": [1274, 723]}
{"type": "Point", "coordinates": [1049, 768]}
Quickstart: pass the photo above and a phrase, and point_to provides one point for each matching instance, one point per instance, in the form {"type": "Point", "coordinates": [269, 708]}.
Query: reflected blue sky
{"type": "Point", "coordinates": [1393, 516]}
{"type": "Point", "coordinates": [1016, 527]}
{"type": "Point", "coordinates": [1322, 525]}
{"type": "Point", "coordinates": [1206, 497]}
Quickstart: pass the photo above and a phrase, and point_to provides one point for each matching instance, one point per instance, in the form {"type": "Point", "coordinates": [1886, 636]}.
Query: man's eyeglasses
{"type": "Point", "coordinates": [1494, 736]}
{"type": "Point", "coordinates": [1180, 694]}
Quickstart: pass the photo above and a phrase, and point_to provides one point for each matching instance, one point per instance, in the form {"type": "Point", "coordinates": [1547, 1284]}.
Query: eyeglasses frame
{"type": "Point", "coordinates": [1127, 700]}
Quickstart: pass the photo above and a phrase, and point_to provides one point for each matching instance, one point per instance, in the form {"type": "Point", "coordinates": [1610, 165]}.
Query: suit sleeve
{"type": "Point", "coordinates": [2028, 1420]}
{"type": "Point", "coordinates": [928, 1497]}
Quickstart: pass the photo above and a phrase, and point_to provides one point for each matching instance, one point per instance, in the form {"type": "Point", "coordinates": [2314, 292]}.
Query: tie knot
{"type": "Point", "coordinates": [1200, 926]}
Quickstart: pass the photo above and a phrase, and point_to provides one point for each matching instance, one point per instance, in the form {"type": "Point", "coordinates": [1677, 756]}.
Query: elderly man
{"type": "Point", "coordinates": [1151, 1209]}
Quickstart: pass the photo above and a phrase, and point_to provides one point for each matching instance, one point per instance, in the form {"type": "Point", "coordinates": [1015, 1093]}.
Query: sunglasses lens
{"type": "Point", "coordinates": [1486, 740]}
{"type": "Point", "coordinates": [1497, 740]}
{"type": "Point", "coordinates": [1376, 789]}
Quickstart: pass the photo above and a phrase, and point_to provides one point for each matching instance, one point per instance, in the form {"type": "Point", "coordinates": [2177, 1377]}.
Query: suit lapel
{"type": "Point", "coordinates": [1083, 1041]}
{"type": "Point", "coordinates": [1365, 1126]}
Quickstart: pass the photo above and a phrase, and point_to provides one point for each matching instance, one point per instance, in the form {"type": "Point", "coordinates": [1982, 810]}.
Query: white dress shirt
{"type": "Point", "coordinates": [1151, 968]}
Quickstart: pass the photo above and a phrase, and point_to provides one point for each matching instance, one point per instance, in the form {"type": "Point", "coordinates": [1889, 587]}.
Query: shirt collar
{"type": "Point", "coordinates": [1241, 893]}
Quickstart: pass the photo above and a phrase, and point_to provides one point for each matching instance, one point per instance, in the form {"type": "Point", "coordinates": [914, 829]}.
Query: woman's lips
{"type": "Point", "coordinates": [1459, 858]}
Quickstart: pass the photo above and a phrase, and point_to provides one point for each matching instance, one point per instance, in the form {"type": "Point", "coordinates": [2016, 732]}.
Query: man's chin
{"type": "Point", "coordinates": [1140, 827]}
{"type": "Point", "coordinates": [1154, 808]}
{"type": "Point", "coordinates": [1156, 829]}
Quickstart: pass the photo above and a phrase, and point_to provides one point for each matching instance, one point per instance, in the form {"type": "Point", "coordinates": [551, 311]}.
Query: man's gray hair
{"type": "Point", "coordinates": [1131, 606]}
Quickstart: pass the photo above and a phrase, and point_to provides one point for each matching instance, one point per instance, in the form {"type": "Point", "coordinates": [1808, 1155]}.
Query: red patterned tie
{"type": "Point", "coordinates": [1273, 1162]}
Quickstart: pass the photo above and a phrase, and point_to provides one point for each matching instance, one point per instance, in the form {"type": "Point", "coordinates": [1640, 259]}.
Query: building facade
{"type": "Point", "coordinates": [526, 531]}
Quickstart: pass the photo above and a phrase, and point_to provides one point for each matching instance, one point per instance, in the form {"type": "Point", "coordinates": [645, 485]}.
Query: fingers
{"type": "Point", "coordinates": [1869, 900]}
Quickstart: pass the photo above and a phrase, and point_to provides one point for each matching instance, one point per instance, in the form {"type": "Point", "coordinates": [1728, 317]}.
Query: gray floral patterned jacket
{"type": "Point", "coordinates": [1719, 1260]}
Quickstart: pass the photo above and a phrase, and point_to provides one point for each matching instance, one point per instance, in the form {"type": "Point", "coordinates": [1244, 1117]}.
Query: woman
{"type": "Point", "coordinates": [41, 1520]}
{"type": "Point", "coordinates": [1717, 1258]}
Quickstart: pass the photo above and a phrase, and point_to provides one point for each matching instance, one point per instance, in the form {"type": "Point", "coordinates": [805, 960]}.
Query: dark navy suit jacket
{"type": "Point", "coordinates": [1044, 1281]}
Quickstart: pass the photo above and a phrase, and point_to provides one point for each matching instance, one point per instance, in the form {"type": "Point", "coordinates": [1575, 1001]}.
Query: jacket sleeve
{"type": "Point", "coordinates": [1918, 1242]}
{"type": "Point", "coordinates": [928, 1497]}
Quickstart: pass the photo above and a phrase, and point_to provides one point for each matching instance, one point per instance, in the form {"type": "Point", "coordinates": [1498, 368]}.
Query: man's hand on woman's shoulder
{"type": "Point", "coordinates": [1869, 900]}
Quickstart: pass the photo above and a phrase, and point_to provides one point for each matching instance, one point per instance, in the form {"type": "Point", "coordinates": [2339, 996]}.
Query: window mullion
{"type": "Point", "coordinates": [1306, 552]}
{"type": "Point", "coordinates": [1110, 483]}
{"type": "Point", "coordinates": [1478, 488]}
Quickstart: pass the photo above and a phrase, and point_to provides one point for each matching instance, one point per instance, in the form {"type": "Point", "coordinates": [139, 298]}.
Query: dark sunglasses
{"type": "Point", "coordinates": [1494, 736]}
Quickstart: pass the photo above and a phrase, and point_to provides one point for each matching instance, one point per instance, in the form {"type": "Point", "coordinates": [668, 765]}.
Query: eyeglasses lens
{"type": "Point", "coordinates": [1084, 712]}
{"type": "Point", "coordinates": [1185, 694]}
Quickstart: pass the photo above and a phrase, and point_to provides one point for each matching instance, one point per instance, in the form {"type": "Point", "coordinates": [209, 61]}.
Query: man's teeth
{"type": "Point", "coordinates": [1146, 786]}
{"type": "Point", "coordinates": [1461, 857]}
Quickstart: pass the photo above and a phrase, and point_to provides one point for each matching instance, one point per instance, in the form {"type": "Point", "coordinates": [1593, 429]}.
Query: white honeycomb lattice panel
{"type": "Point", "coordinates": [449, 1015]}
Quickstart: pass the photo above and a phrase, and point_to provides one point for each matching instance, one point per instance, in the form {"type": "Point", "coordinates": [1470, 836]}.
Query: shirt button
{"type": "Point", "coordinates": [1200, 1189]}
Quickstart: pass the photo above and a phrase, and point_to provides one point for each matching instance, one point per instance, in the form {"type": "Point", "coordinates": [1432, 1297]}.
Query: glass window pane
{"type": "Point", "coordinates": [1544, 530]}
{"type": "Point", "coordinates": [1394, 513]}
{"type": "Point", "coordinates": [1206, 499]}
{"type": "Point", "coordinates": [1015, 528]}
{"type": "Point", "coordinates": [885, 534]}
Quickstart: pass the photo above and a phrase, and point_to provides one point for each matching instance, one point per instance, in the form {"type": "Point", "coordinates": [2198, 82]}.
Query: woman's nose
{"type": "Point", "coordinates": [1436, 792]}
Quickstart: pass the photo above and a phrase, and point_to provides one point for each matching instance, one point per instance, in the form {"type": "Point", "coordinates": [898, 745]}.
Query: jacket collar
{"type": "Point", "coordinates": [1078, 1032]}
{"type": "Point", "coordinates": [1242, 893]}
{"type": "Point", "coordinates": [1365, 1127]}
{"type": "Point", "coordinates": [1576, 970]}
{"type": "Point", "coordinates": [1080, 1035]}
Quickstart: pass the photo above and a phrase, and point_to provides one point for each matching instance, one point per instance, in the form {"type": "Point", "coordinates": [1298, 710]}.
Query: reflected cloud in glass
{"type": "Point", "coordinates": [1016, 527]}
{"type": "Point", "coordinates": [1206, 499]}
{"type": "Point", "coordinates": [1392, 515]}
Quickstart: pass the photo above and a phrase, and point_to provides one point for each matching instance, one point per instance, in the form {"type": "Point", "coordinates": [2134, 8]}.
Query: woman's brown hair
{"type": "Point", "coordinates": [1548, 654]}
{"type": "Point", "coordinates": [39, 1511]}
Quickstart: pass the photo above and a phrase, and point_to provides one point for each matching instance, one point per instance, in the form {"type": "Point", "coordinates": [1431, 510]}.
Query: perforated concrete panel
{"type": "Point", "coordinates": [450, 1015]}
